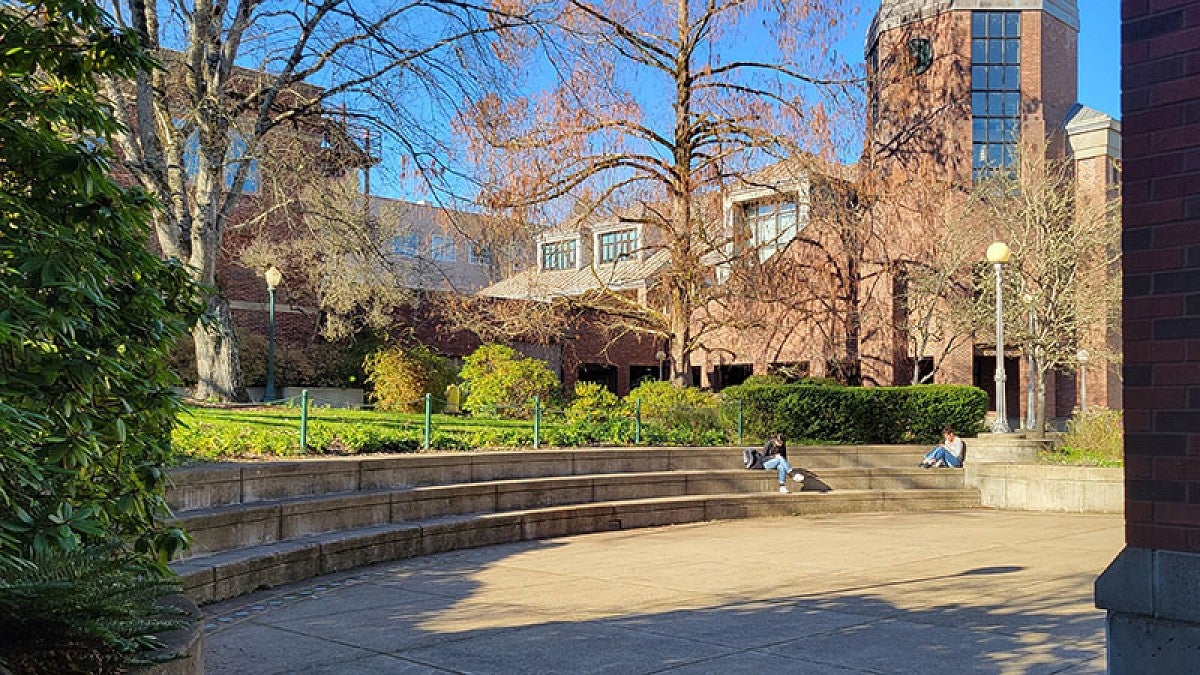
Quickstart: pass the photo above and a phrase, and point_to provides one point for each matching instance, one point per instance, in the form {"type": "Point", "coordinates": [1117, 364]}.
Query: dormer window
{"type": "Point", "coordinates": [559, 255]}
{"type": "Point", "coordinates": [771, 225]}
{"type": "Point", "coordinates": [618, 245]}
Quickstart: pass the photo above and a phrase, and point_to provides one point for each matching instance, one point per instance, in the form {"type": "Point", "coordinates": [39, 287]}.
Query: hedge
{"type": "Point", "coordinates": [858, 414]}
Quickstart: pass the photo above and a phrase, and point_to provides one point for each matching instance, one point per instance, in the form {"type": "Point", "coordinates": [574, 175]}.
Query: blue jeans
{"type": "Point", "coordinates": [780, 463]}
{"type": "Point", "coordinates": [943, 454]}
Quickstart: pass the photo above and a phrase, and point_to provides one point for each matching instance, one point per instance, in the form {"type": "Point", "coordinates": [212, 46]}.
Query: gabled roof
{"type": "Point", "coordinates": [1082, 118]}
{"type": "Point", "coordinates": [547, 285]}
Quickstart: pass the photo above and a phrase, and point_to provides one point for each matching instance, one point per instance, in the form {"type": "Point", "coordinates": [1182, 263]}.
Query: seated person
{"type": "Point", "coordinates": [948, 453]}
{"type": "Point", "coordinates": [773, 456]}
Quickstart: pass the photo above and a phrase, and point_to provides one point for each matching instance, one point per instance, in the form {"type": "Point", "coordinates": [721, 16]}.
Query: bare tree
{"type": "Point", "coordinates": [656, 114]}
{"type": "Point", "coordinates": [1065, 260]}
{"type": "Point", "coordinates": [240, 76]}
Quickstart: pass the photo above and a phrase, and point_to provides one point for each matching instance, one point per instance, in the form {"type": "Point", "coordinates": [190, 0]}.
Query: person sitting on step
{"type": "Point", "coordinates": [773, 456]}
{"type": "Point", "coordinates": [948, 453]}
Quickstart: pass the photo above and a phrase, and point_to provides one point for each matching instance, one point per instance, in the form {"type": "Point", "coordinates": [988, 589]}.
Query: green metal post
{"type": "Point", "coordinates": [303, 420]}
{"type": "Point", "coordinates": [637, 421]}
{"type": "Point", "coordinates": [428, 419]}
{"type": "Point", "coordinates": [739, 422]}
{"type": "Point", "coordinates": [537, 422]}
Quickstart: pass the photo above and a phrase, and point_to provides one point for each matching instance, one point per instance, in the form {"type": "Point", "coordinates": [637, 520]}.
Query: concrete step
{"type": "Point", "coordinates": [218, 576]}
{"type": "Point", "coordinates": [238, 525]}
{"type": "Point", "coordinates": [240, 483]}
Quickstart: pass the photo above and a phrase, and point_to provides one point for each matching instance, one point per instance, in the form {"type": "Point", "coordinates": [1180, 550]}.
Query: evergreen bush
{"type": "Point", "coordinates": [401, 376]}
{"type": "Point", "coordinates": [840, 414]}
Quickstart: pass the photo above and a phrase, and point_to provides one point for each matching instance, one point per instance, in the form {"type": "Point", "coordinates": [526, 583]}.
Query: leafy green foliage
{"type": "Point", "coordinates": [499, 380]}
{"type": "Point", "coordinates": [676, 415]}
{"type": "Point", "coordinates": [1094, 438]}
{"type": "Point", "coordinates": [594, 403]}
{"type": "Point", "coordinates": [857, 414]}
{"type": "Point", "coordinates": [87, 312]}
{"type": "Point", "coordinates": [97, 593]}
{"type": "Point", "coordinates": [401, 376]}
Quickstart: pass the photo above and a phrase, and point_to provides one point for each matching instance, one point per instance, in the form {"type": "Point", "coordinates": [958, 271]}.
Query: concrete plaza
{"type": "Point", "coordinates": [975, 591]}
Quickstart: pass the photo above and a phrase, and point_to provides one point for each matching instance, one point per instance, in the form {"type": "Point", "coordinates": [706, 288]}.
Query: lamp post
{"type": "Point", "coordinates": [274, 278]}
{"type": "Point", "coordinates": [1030, 386]}
{"type": "Point", "coordinates": [1082, 356]}
{"type": "Point", "coordinates": [662, 364]}
{"type": "Point", "coordinates": [998, 254]}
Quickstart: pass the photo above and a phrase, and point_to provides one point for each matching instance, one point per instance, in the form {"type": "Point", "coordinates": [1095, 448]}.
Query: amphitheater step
{"type": "Point", "coordinates": [232, 526]}
{"type": "Point", "coordinates": [218, 576]}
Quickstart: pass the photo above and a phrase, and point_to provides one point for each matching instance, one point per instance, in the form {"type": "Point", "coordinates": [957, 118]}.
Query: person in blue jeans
{"type": "Point", "coordinates": [948, 453]}
{"type": "Point", "coordinates": [775, 453]}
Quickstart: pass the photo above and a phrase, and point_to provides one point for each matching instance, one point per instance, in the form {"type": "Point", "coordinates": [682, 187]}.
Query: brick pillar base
{"type": "Point", "coordinates": [1153, 617]}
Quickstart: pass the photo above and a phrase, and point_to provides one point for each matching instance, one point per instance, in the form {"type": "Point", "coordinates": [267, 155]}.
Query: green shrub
{"type": "Point", "coordinates": [594, 403]}
{"type": "Point", "coordinates": [499, 380]}
{"type": "Point", "coordinates": [401, 376]}
{"type": "Point", "coordinates": [675, 415]}
{"type": "Point", "coordinates": [1094, 438]}
{"type": "Point", "coordinates": [90, 598]}
{"type": "Point", "coordinates": [841, 414]}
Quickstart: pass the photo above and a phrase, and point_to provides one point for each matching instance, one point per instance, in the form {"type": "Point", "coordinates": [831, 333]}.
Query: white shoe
{"type": "Point", "coordinates": [799, 477]}
{"type": "Point", "coordinates": [783, 489]}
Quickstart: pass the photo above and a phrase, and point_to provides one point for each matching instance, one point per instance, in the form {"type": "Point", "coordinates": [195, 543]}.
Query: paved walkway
{"type": "Point", "coordinates": [951, 592]}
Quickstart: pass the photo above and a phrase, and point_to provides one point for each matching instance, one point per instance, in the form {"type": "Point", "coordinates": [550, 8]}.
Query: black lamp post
{"type": "Point", "coordinates": [274, 278]}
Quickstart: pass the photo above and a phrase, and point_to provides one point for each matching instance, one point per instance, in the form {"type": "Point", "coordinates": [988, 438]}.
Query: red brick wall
{"type": "Point", "coordinates": [1161, 123]}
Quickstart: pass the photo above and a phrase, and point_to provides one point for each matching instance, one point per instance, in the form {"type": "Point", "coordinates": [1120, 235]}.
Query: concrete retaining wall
{"type": "Point", "coordinates": [1045, 487]}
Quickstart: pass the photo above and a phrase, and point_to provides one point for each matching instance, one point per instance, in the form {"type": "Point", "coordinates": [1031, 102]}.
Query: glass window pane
{"type": "Point", "coordinates": [979, 157]}
{"type": "Point", "coordinates": [1012, 78]}
{"type": "Point", "coordinates": [1012, 51]}
{"type": "Point", "coordinates": [979, 103]}
{"type": "Point", "coordinates": [995, 24]}
{"type": "Point", "coordinates": [995, 154]}
{"type": "Point", "coordinates": [996, 130]}
{"type": "Point", "coordinates": [996, 104]}
{"type": "Point", "coordinates": [979, 78]}
{"type": "Point", "coordinates": [978, 24]}
{"type": "Point", "coordinates": [980, 129]}
{"type": "Point", "coordinates": [1012, 24]}
{"type": "Point", "coordinates": [996, 77]}
{"type": "Point", "coordinates": [995, 51]}
{"type": "Point", "coordinates": [1012, 103]}
{"type": "Point", "coordinates": [1011, 129]}
{"type": "Point", "coordinates": [1009, 155]}
{"type": "Point", "coordinates": [979, 51]}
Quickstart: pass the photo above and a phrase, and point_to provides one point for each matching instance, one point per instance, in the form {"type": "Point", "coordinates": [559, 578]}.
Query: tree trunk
{"type": "Point", "coordinates": [219, 372]}
{"type": "Point", "coordinates": [1040, 425]}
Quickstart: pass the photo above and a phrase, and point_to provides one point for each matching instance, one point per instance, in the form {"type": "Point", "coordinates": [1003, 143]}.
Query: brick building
{"type": "Point", "coordinates": [1152, 589]}
{"type": "Point", "coordinates": [952, 85]}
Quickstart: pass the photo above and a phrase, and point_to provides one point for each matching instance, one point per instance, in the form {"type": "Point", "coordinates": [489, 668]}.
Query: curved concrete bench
{"type": "Point", "coordinates": [259, 525]}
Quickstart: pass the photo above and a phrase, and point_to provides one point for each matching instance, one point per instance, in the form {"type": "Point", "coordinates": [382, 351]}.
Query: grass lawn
{"type": "Point", "coordinates": [220, 433]}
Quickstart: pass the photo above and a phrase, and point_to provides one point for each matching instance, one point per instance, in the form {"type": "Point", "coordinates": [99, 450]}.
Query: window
{"type": "Point", "coordinates": [771, 225]}
{"type": "Point", "coordinates": [235, 154]}
{"type": "Point", "coordinates": [995, 90]}
{"type": "Point", "coordinates": [616, 246]}
{"type": "Point", "coordinates": [559, 255]}
{"type": "Point", "coordinates": [443, 248]}
{"type": "Point", "coordinates": [479, 254]}
{"type": "Point", "coordinates": [406, 245]}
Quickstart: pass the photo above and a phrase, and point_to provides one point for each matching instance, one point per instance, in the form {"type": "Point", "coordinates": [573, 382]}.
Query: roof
{"type": "Point", "coordinates": [1083, 118]}
{"type": "Point", "coordinates": [544, 286]}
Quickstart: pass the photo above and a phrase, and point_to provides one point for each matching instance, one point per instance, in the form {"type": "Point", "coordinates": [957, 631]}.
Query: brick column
{"type": "Point", "coordinates": [1152, 589]}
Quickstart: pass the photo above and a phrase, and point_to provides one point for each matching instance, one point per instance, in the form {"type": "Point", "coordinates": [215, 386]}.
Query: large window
{"type": "Point", "coordinates": [559, 255]}
{"type": "Point", "coordinates": [771, 225]}
{"type": "Point", "coordinates": [617, 245]}
{"type": "Point", "coordinates": [406, 245]}
{"type": "Point", "coordinates": [479, 254]}
{"type": "Point", "coordinates": [234, 156]}
{"type": "Point", "coordinates": [995, 90]}
{"type": "Point", "coordinates": [443, 248]}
